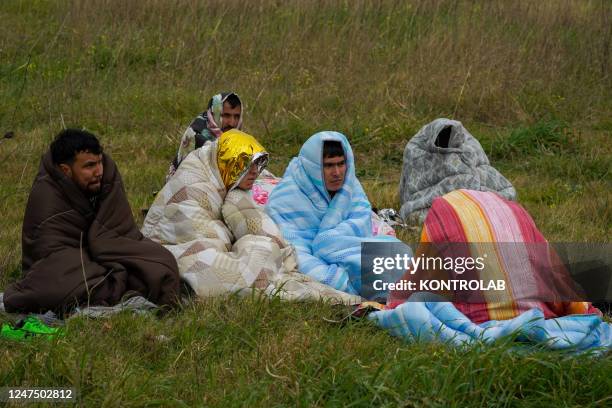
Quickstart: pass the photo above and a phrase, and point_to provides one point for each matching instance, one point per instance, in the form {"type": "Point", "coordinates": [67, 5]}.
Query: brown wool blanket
{"type": "Point", "coordinates": [79, 252]}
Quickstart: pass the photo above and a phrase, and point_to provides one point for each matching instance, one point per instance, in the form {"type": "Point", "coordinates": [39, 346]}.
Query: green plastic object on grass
{"type": "Point", "coordinates": [28, 328]}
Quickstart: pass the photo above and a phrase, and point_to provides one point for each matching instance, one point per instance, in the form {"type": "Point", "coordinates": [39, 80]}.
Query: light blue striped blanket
{"type": "Point", "coordinates": [326, 232]}
{"type": "Point", "coordinates": [441, 321]}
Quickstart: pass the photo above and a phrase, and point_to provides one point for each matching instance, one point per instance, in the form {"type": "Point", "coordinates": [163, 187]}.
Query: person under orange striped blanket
{"type": "Point", "coordinates": [502, 234]}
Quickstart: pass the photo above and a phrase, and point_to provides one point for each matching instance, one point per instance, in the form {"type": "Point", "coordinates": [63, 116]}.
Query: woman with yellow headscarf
{"type": "Point", "coordinates": [239, 157]}
{"type": "Point", "coordinates": [222, 240]}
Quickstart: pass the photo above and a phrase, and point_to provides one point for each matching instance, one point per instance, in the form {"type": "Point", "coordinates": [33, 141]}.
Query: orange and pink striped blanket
{"type": "Point", "coordinates": [511, 248]}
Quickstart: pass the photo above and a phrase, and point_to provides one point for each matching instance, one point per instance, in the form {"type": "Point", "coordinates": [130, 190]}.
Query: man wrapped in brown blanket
{"type": "Point", "coordinates": [80, 243]}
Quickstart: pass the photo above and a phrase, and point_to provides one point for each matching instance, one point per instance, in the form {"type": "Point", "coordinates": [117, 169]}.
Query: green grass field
{"type": "Point", "coordinates": [530, 79]}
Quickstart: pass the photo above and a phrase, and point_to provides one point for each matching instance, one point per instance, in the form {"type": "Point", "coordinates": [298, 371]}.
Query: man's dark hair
{"type": "Point", "coordinates": [332, 148]}
{"type": "Point", "coordinates": [233, 100]}
{"type": "Point", "coordinates": [69, 142]}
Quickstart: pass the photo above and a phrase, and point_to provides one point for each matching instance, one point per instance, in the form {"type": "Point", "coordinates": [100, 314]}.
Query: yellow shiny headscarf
{"type": "Point", "coordinates": [235, 154]}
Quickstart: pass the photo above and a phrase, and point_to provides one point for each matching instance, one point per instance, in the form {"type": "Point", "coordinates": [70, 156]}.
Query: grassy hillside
{"type": "Point", "coordinates": [530, 79]}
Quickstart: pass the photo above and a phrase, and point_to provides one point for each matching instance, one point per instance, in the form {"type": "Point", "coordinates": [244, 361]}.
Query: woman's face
{"type": "Point", "coordinates": [249, 178]}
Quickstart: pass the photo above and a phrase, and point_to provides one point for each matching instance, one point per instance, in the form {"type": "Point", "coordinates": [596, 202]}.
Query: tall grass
{"type": "Point", "coordinates": [110, 64]}
{"type": "Point", "coordinates": [530, 79]}
{"type": "Point", "coordinates": [266, 353]}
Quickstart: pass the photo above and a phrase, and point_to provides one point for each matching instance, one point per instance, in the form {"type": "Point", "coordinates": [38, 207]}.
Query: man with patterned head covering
{"type": "Point", "coordinates": [224, 112]}
{"type": "Point", "coordinates": [222, 241]}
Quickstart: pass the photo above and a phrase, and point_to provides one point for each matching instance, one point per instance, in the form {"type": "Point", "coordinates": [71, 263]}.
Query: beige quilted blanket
{"type": "Point", "coordinates": [224, 242]}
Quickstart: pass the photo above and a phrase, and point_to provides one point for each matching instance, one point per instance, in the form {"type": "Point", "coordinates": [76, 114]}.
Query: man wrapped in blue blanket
{"type": "Point", "coordinates": [323, 211]}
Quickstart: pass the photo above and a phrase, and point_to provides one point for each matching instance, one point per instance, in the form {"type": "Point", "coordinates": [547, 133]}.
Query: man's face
{"type": "Point", "coordinates": [334, 170]}
{"type": "Point", "coordinates": [86, 172]}
{"type": "Point", "coordinates": [230, 116]}
{"type": "Point", "coordinates": [249, 178]}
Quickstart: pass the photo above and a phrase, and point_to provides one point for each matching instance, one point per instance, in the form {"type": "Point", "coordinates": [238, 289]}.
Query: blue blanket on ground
{"type": "Point", "coordinates": [430, 321]}
{"type": "Point", "coordinates": [326, 232]}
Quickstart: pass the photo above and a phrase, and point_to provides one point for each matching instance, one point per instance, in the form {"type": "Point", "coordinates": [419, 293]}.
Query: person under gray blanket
{"type": "Point", "coordinates": [80, 244]}
{"type": "Point", "coordinates": [442, 157]}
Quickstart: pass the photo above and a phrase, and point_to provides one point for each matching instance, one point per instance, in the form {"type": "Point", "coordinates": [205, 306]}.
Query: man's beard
{"type": "Point", "coordinates": [93, 190]}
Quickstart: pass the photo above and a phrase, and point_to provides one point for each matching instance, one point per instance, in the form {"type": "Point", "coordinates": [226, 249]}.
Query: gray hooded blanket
{"type": "Point", "coordinates": [443, 156]}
